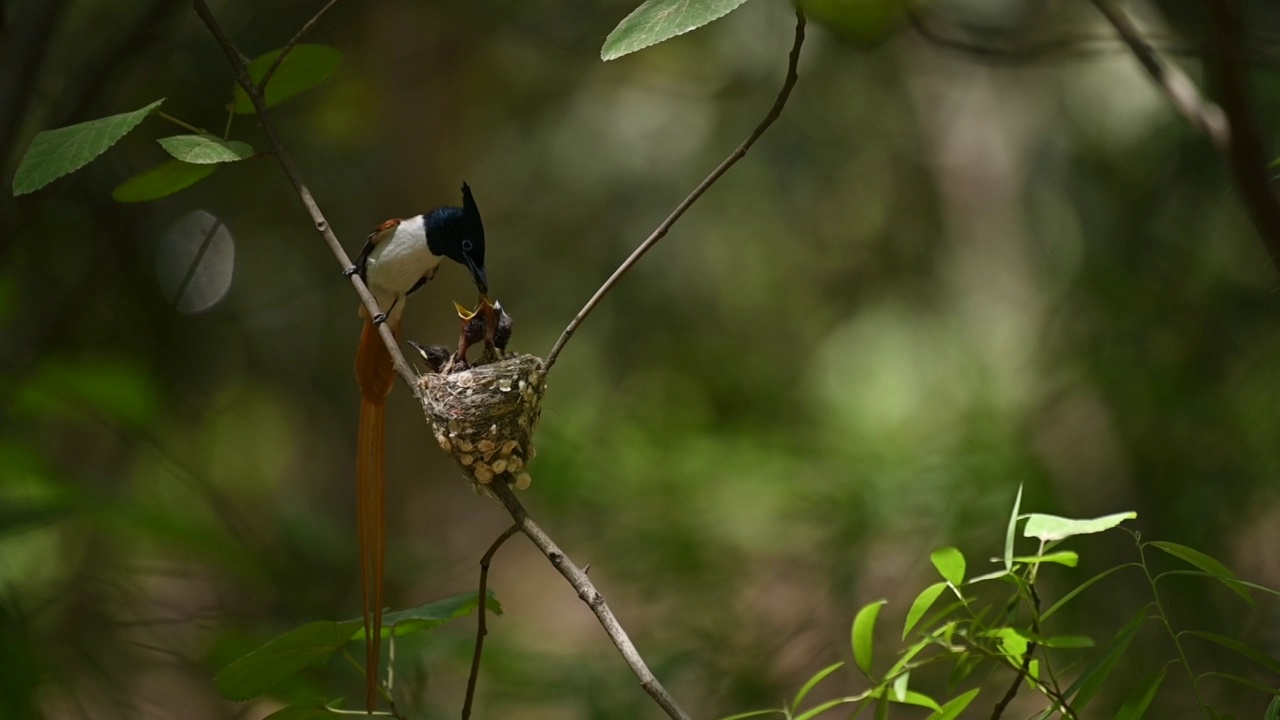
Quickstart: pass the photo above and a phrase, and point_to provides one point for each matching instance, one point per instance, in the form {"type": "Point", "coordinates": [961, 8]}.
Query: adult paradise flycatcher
{"type": "Point", "coordinates": [399, 257]}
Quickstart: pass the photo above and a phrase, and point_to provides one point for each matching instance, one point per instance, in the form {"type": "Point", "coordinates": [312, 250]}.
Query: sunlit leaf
{"type": "Point", "coordinates": [950, 564]}
{"type": "Point", "coordinates": [1051, 528]}
{"type": "Point", "coordinates": [1010, 531]}
{"type": "Point", "coordinates": [817, 710]}
{"type": "Point", "coordinates": [1135, 706]}
{"type": "Point", "coordinates": [1207, 564]}
{"type": "Point", "coordinates": [864, 626]}
{"type": "Point", "coordinates": [1061, 557]}
{"type": "Point", "coordinates": [812, 683]}
{"type": "Point", "coordinates": [754, 713]}
{"type": "Point", "coordinates": [205, 149]}
{"type": "Point", "coordinates": [911, 697]}
{"type": "Point", "coordinates": [161, 181]}
{"type": "Point", "coordinates": [659, 20]}
{"type": "Point", "coordinates": [953, 707]}
{"type": "Point", "coordinates": [304, 68]}
{"type": "Point", "coordinates": [308, 646]}
{"type": "Point", "coordinates": [1068, 641]}
{"type": "Point", "coordinates": [921, 605]}
{"type": "Point", "coordinates": [55, 153]}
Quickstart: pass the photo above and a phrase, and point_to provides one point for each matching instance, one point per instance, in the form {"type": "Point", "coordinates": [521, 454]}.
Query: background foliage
{"type": "Point", "coordinates": [934, 280]}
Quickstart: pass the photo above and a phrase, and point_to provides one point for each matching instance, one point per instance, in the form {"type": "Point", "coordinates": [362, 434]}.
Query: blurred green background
{"type": "Point", "coordinates": [936, 278]}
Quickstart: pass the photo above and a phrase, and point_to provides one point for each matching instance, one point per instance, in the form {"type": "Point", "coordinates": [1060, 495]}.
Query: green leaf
{"type": "Point", "coordinates": [911, 697]}
{"type": "Point", "coordinates": [952, 709]}
{"type": "Point", "coordinates": [301, 712]}
{"type": "Point", "coordinates": [1051, 528]}
{"type": "Point", "coordinates": [864, 627]}
{"type": "Point", "coordinates": [1090, 681]}
{"type": "Point", "coordinates": [1081, 588]}
{"type": "Point", "coordinates": [1239, 648]}
{"type": "Point", "coordinates": [1013, 642]}
{"type": "Point", "coordinates": [659, 20]}
{"type": "Point", "coordinates": [755, 713]}
{"type": "Point", "coordinates": [308, 646]}
{"type": "Point", "coordinates": [921, 605]}
{"type": "Point", "coordinates": [899, 687]}
{"type": "Point", "coordinates": [812, 683]}
{"type": "Point", "coordinates": [950, 564]}
{"type": "Point", "coordinates": [1253, 684]}
{"type": "Point", "coordinates": [1010, 531]}
{"type": "Point", "coordinates": [1207, 564]}
{"type": "Point", "coordinates": [205, 149]}
{"type": "Point", "coordinates": [1062, 557]}
{"type": "Point", "coordinates": [160, 181]}
{"type": "Point", "coordinates": [426, 617]}
{"type": "Point", "coordinates": [1273, 710]}
{"type": "Point", "coordinates": [1068, 641]}
{"type": "Point", "coordinates": [817, 710]}
{"type": "Point", "coordinates": [55, 153]}
{"type": "Point", "coordinates": [1135, 706]}
{"type": "Point", "coordinates": [304, 68]}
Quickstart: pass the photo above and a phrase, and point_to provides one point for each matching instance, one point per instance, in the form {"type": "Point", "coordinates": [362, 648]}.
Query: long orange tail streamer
{"type": "Point", "coordinates": [376, 378]}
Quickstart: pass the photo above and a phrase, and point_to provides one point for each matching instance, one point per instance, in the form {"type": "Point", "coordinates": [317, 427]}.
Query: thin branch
{"type": "Point", "coordinates": [588, 593]}
{"type": "Point", "coordinates": [240, 68]}
{"type": "Point", "coordinates": [1030, 652]}
{"type": "Point", "coordinates": [1203, 114]}
{"type": "Point", "coordinates": [721, 169]}
{"type": "Point", "coordinates": [481, 630]}
{"type": "Point", "coordinates": [293, 42]}
{"type": "Point", "coordinates": [1248, 153]}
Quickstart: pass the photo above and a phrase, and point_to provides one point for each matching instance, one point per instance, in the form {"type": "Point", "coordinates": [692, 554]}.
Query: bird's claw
{"type": "Point", "coordinates": [350, 271]}
{"type": "Point", "coordinates": [379, 319]}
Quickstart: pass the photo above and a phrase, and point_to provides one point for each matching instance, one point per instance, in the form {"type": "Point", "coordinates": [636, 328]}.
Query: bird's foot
{"type": "Point", "coordinates": [379, 319]}
{"type": "Point", "coordinates": [350, 271]}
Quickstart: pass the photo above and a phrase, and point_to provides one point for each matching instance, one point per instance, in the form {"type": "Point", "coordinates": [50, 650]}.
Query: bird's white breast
{"type": "Point", "coordinates": [399, 261]}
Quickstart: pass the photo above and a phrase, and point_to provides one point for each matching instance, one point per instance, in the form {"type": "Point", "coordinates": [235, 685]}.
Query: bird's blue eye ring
{"type": "Point", "coordinates": [466, 245]}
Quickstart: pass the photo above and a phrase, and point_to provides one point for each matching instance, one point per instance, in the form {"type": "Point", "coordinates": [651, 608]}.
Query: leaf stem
{"type": "Point", "coordinates": [184, 125]}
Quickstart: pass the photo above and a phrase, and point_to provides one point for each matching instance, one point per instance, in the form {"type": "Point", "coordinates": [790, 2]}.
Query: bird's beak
{"type": "Point", "coordinates": [477, 272]}
{"type": "Point", "coordinates": [463, 313]}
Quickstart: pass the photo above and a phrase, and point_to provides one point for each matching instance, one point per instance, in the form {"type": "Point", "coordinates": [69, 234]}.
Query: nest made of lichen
{"type": "Point", "coordinates": [484, 417]}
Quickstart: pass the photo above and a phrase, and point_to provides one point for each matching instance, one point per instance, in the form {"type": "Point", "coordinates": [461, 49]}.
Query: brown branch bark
{"type": "Point", "coordinates": [1232, 128]}
{"type": "Point", "coordinates": [588, 593]}
{"type": "Point", "coordinates": [240, 69]}
{"type": "Point", "coordinates": [661, 231]}
{"type": "Point", "coordinates": [481, 629]}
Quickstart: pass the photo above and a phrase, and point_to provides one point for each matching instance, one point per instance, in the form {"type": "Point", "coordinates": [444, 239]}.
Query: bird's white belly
{"type": "Point", "coordinates": [398, 262]}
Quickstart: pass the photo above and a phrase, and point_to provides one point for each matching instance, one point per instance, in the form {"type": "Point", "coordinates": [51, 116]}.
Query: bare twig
{"type": "Point", "coordinates": [1204, 115]}
{"type": "Point", "coordinates": [1021, 675]}
{"type": "Point", "coordinates": [481, 630]}
{"type": "Point", "coordinates": [588, 593]}
{"type": "Point", "coordinates": [293, 42]}
{"type": "Point", "coordinates": [241, 71]}
{"type": "Point", "coordinates": [688, 202]}
{"type": "Point", "coordinates": [1248, 153]}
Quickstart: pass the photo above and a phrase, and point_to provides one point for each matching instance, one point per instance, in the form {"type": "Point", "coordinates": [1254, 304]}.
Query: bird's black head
{"type": "Point", "coordinates": [458, 234]}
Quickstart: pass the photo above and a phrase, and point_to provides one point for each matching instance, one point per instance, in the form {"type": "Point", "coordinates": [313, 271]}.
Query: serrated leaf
{"type": "Point", "coordinates": [428, 616]}
{"type": "Point", "coordinates": [1051, 528]}
{"type": "Point", "coordinates": [160, 181]}
{"type": "Point", "coordinates": [54, 153]}
{"type": "Point", "coordinates": [950, 564]}
{"type": "Point", "coordinates": [659, 20]}
{"type": "Point", "coordinates": [1010, 531]}
{"type": "Point", "coordinates": [921, 605]}
{"type": "Point", "coordinates": [863, 635]}
{"type": "Point", "coordinates": [1061, 557]}
{"type": "Point", "coordinates": [953, 707]}
{"type": "Point", "coordinates": [1135, 706]}
{"type": "Point", "coordinates": [304, 68]}
{"type": "Point", "coordinates": [1207, 564]}
{"type": "Point", "coordinates": [308, 646]}
{"type": "Point", "coordinates": [812, 683]}
{"type": "Point", "coordinates": [205, 149]}
{"type": "Point", "coordinates": [1239, 648]}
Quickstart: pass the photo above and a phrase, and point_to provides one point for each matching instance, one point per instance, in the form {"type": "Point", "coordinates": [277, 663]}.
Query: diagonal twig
{"type": "Point", "coordinates": [293, 42]}
{"type": "Point", "coordinates": [661, 230]}
{"type": "Point", "coordinates": [254, 92]}
{"type": "Point", "coordinates": [1232, 128]}
{"type": "Point", "coordinates": [588, 593]}
{"type": "Point", "coordinates": [481, 630]}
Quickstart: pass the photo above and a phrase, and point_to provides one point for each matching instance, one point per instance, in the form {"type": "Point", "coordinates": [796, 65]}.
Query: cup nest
{"type": "Point", "coordinates": [484, 417]}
